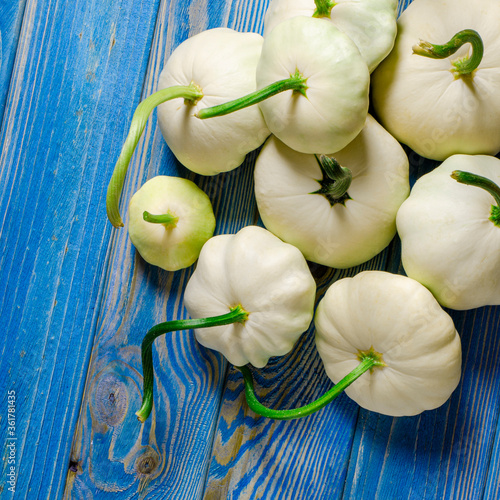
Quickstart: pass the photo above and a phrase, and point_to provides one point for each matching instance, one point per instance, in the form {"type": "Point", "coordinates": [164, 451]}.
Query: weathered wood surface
{"type": "Point", "coordinates": [11, 17]}
{"type": "Point", "coordinates": [76, 301]}
{"type": "Point", "coordinates": [78, 72]}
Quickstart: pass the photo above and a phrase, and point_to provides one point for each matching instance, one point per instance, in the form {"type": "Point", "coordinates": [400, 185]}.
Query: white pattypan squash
{"type": "Point", "coordinates": [295, 200]}
{"type": "Point", "coordinates": [427, 103]}
{"type": "Point", "coordinates": [221, 62]}
{"type": "Point", "coordinates": [179, 220]}
{"type": "Point", "coordinates": [370, 24]}
{"type": "Point", "coordinates": [397, 320]}
{"type": "Point", "coordinates": [332, 109]}
{"type": "Point", "coordinates": [269, 279]}
{"type": "Point", "coordinates": [207, 69]}
{"type": "Point", "coordinates": [450, 233]}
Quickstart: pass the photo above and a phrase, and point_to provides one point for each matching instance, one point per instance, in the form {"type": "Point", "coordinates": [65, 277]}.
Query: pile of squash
{"type": "Point", "coordinates": [332, 187]}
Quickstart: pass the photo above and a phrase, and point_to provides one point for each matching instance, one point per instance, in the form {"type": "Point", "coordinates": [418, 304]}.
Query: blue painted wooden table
{"type": "Point", "coordinates": [76, 300]}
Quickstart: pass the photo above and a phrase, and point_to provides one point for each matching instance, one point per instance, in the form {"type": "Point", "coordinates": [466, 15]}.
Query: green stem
{"type": "Point", "coordinates": [323, 8]}
{"type": "Point", "coordinates": [335, 182]}
{"type": "Point", "coordinates": [236, 315]}
{"type": "Point", "coordinates": [190, 93]}
{"type": "Point", "coordinates": [296, 82]}
{"type": "Point", "coordinates": [463, 66]}
{"type": "Point", "coordinates": [368, 361]}
{"type": "Point", "coordinates": [488, 185]}
{"type": "Point", "coordinates": [168, 219]}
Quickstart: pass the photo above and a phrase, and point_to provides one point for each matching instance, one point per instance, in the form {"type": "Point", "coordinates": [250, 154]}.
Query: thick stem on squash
{"type": "Point", "coordinates": [368, 360]}
{"type": "Point", "coordinates": [296, 82]}
{"type": "Point", "coordinates": [335, 182]}
{"type": "Point", "coordinates": [168, 220]}
{"type": "Point", "coordinates": [323, 8]}
{"type": "Point", "coordinates": [190, 93]}
{"type": "Point", "coordinates": [236, 315]}
{"type": "Point", "coordinates": [463, 66]}
{"type": "Point", "coordinates": [482, 182]}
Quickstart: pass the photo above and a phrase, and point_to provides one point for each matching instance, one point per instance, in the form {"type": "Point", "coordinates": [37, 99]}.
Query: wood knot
{"type": "Point", "coordinates": [147, 463]}
{"type": "Point", "coordinates": [73, 466]}
{"type": "Point", "coordinates": [111, 399]}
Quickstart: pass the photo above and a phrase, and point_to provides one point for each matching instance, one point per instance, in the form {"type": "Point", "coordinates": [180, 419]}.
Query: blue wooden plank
{"type": "Point", "coordinates": [492, 488]}
{"type": "Point", "coordinates": [77, 78]}
{"type": "Point", "coordinates": [11, 16]}
{"type": "Point", "coordinates": [175, 442]}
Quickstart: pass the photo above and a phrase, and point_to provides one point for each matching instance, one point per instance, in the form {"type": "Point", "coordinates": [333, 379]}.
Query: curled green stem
{"type": "Point", "coordinates": [335, 182]}
{"type": "Point", "coordinates": [236, 315]}
{"type": "Point", "coordinates": [296, 82]}
{"type": "Point", "coordinates": [168, 219]}
{"type": "Point", "coordinates": [464, 66]}
{"type": "Point", "coordinates": [190, 93]}
{"type": "Point", "coordinates": [488, 185]}
{"type": "Point", "coordinates": [368, 362]}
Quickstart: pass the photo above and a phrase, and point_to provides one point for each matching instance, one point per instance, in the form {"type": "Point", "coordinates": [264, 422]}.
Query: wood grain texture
{"type": "Point", "coordinates": [176, 442]}
{"type": "Point", "coordinates": [11, 17]}
{"type": "Point", "coordinates": [72, 85]}
{"type": "Point", "coordinates": [492, 487]}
